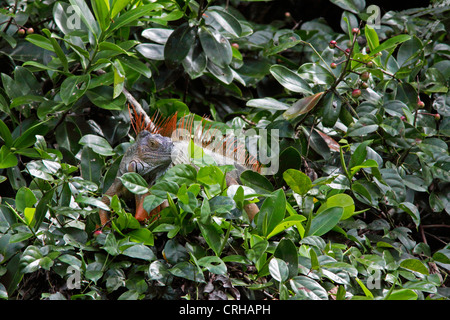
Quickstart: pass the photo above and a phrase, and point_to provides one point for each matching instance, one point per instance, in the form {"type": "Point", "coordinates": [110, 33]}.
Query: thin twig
{"type": "Point", "coordinates": [137, 106]}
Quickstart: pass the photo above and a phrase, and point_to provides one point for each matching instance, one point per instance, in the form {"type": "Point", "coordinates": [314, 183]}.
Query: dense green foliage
{"type": "Point", "coordinates": [359, 208]}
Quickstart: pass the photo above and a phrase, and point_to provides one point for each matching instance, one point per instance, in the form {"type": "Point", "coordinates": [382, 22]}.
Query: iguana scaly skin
{"type": "Point", "coordinates": [149, 156]}
{"type": "Point", "coordinates": [152, 154]}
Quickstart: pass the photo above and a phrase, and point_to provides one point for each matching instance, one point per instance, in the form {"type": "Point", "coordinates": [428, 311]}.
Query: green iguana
{"type": "Point", "coordinates": [161, 143]}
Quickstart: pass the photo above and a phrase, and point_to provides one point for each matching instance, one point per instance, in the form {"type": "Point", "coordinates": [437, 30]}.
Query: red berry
{"type": "Point", "coordinates": [403, 118]}
{"type": "Point", "coordinates": [364, 85]}
{"type": "Point", "coordinates": [347, 50]}
{"type": "Point", "coordinates": [369, 64]}
{"type": "Point", "coordinates": [235, 45]}
{"type": "Point", "coordinates": [356, 93]}
{"type": "Point", "coordinates": [356, 31]}
{"type": "Point", "coordinates": [333, 65]}
{"type": "Point", "coordinates": [332, 44]}
{"type": "Point", "coordinates": [97, 233]}
{"type": "Point", "coordinates": [365, 76]}
{"type": "Point", "coordinates": [30, 31]}
{"type": "Point", "coordinates": [287, 14]}
{"type": "Point", "coordinates": [420, 104]}
{"type": "Point", "coordinates": [437, 116]}
{"type": "Point", "coordinates": [21, 32]}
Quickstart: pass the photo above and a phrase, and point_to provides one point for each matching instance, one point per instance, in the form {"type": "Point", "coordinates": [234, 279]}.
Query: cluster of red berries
{"type": "Point", "coordinates": [421, 105]}
{"type": "Point", "coordinates": [22, 31]}
{"type": "Point", "coordinates": [364, 76]}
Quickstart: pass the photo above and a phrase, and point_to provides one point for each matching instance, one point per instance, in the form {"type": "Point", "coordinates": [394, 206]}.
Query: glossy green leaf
{"type": "Point", "coordinates": [389, 43]}
{"type": "Point", "coordinates": [158, 35]}
{"type": "Point", "coordinates": [135, 65]}
{"type": "Point", "coordinates": [403, 294]}
{"type": "Point", "coordinates": [42, 208]}
{"type": "Point", "coordinates": [216, 47]}
{"type": "Point", "coordinates": [308, 289]}
{"type": "Point", "coordinates": [297, 181]}
{"type": "Point", "coordinates": [213, 264]}
{"type": "Point", "coordinates": [256, 181]}
{"type": "Point", "coordinates": [179, 43]}
{"type": "Point", "coordinates": [287, 251]}
{"type": "Point", "coordinates": [102, 97]}
{"type": "Point", "coordinates": [353, 6]}
{"type": "Point", "coordinates": [187, 270]}
{"type": "Point", "coordinates": [278, 269]}
{"type": "Point", "coordinates": [140, 251]}
{"type": "Point", "coordinates": [212, 235]}
{"type": "Point", "coordinates": [372, 37]}
{"type": "Point", "coordinates": [195, 62]}
{"type": "Point", "coordinates": [267, 103]}
{"type": "Point", "coordinates": [83, 11]}
{"type": "Point", "coordinates": [28, 138]}
{"type": "Point", "coordinates": [331, 109]}
{"type": "Point", "coordinates": [225, 20]}
{"type": "Point", "coordinates": [287, 223]}
{"type": "Point", "coordinates": [117, 6]}
{"type": "Point", "coordinates": [132, 15]}
{"type": "Point", "coordinates": [101, 12]}
{"type": "Point", "coordinates": [414, 265]}
{"type": "Point", "coordinates": [40, 41]}
{"type": "Point", "coordinates": [340, 200]}
{"type": "Point", "coordinates": [97, 144]}
{"type": "Point", "coordinates": [134, 182]}
{"type": "Point", "coordinates": [73, 88]}
{"type": "Point", "coordinates": [25, 198]}
{"type": "Point", "coordinates": [325, 221]}
{"type": "Point", "coordinates": [290, 80]}
{"type": "Point", "coordinates": [5, 134]}
{"type": "Point", "coordinates": [272, 212]}
{"type": "Point", "coordinates": [119, 78]}
{"type": "Point", "coordinates": [7, 158]}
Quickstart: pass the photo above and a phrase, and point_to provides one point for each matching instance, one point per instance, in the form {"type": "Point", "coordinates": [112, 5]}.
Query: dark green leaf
{"type": "Point", "coordinates": [73, 88]}
{"type": "Point", "coordinates": [102, 97]}
{"type": "Point", "coordinates": [216, 47]}
{"type": "Point", "coordinates": [140, 251]}
{"type": "Point", "coordinates": [287, 251]}
{"type": "Point", "coordinates": [179, 43]}
{"type": "Point", "coordinates": [272, 212]}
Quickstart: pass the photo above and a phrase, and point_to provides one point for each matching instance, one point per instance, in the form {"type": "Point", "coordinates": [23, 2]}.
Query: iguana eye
{"type": "Point", "coordinates": [153, 144]}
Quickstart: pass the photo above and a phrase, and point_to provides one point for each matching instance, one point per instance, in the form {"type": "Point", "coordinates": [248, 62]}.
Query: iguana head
{"type": "Point", "coordinates": [150, 155]}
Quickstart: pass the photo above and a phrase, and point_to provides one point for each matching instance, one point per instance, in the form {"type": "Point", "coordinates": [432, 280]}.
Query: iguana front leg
{"type": "Point", "coordinates": [117, 188]}
{"type": "Point", "coordinates": [149, 156]}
